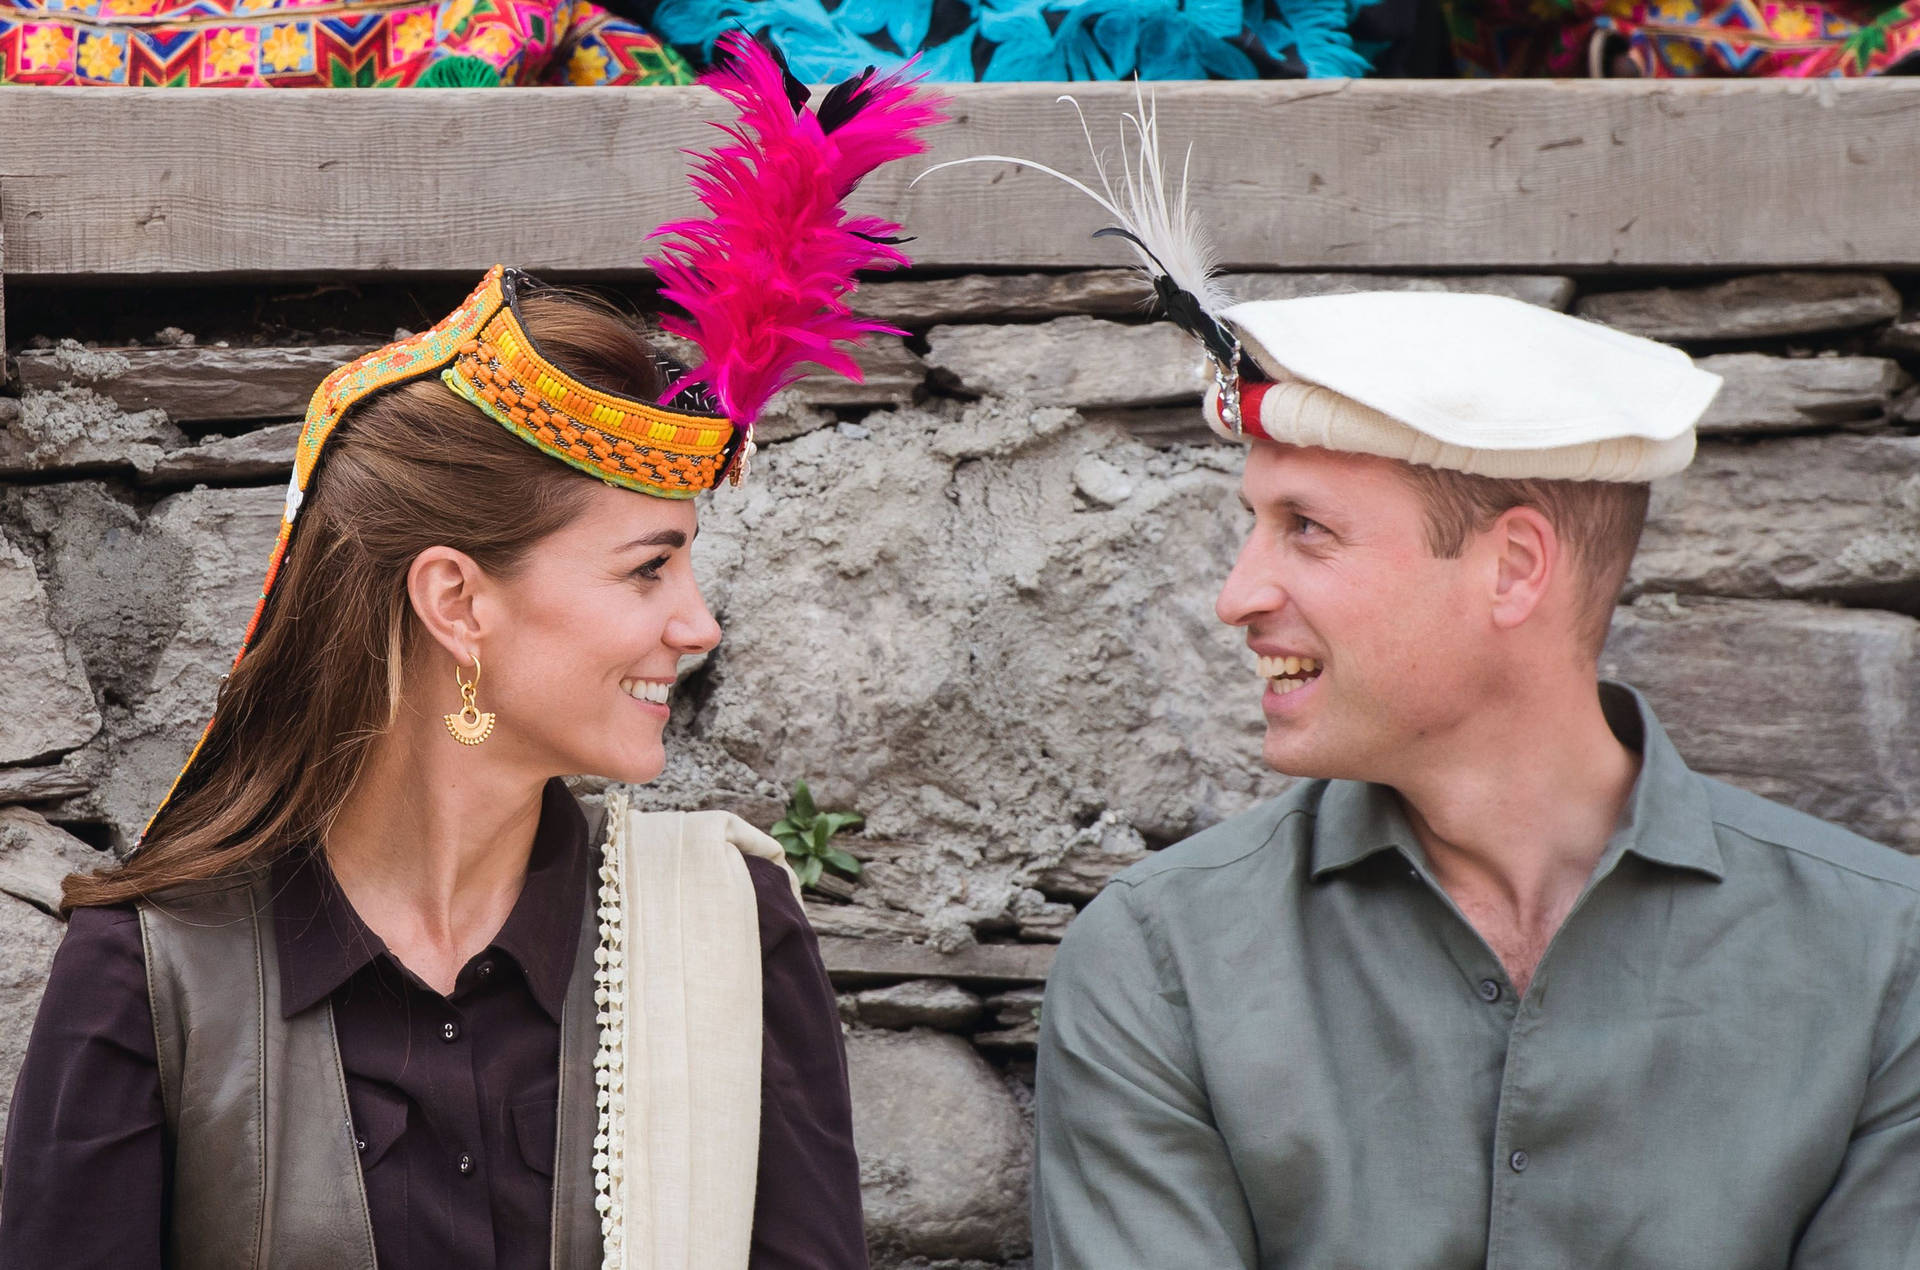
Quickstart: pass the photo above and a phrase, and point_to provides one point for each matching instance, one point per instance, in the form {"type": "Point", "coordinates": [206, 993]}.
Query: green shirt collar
{"type": "Point", "coordinates": [1666, 821]}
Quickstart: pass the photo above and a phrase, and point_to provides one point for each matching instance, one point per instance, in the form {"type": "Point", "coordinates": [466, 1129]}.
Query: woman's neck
{"type": "Point", "coordinates": [431, 846]}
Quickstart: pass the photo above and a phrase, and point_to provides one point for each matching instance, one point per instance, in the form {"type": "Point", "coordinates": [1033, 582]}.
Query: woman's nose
{"type": "Point", "coordinates": [694, 629]}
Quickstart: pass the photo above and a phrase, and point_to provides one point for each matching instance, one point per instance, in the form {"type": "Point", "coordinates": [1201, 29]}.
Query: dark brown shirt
{"type": "Point", "coordinates": [453, 1098]}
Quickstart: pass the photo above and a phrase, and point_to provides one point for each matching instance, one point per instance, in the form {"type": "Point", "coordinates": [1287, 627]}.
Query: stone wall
{"type": "Point", "coordinates": [972, 599]}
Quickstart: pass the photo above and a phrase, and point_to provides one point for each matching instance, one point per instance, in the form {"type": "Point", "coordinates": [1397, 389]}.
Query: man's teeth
{"type": "Point", "coordinates": [1289, 674]}
{"type": "Point", "coordinates": [647, 690]}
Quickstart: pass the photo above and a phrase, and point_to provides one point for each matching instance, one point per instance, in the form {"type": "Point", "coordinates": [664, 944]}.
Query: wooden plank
{"type": "Point", "coordinates": [852, 961]}
{"type": "Point", "coordinates": [1324, 174]}
{"type": "Point", "coordinates": [195, 385]}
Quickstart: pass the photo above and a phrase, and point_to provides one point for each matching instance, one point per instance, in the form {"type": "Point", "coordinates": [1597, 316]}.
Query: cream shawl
{"type": "Point", "coordinates": [678, 988]}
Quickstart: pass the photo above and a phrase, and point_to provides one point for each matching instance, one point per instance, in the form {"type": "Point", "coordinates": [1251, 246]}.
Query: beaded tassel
{"type": "Point", "coordinates": [609, 1062]}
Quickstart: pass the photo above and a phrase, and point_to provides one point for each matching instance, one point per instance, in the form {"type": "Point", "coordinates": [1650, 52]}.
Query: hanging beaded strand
{"type": "Point", "coordinates": [609, 1062]}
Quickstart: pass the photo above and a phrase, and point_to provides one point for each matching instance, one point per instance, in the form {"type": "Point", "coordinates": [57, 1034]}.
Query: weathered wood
{"type": "Point", "coordinates": [1003, 297]}
{"type": "Point", "coordinates": [1758, 307]}
{"type": "Point", "coordinates": [263, 454]}
{"type": "Point", "coordinates": [851, 961]}
{"type": "Point", "coordinates": [1072, 361]}
{"type": "Point", "coordinates": [39, 784]}
{"type": "Point", "coordinates": [194, 385]}
{"type": "Point", "coordinates": [1316, 174]}
{"type": "Point", "coordinates": [1785, 394]}
{"type": "Point", "coordinates": [1546, 290]}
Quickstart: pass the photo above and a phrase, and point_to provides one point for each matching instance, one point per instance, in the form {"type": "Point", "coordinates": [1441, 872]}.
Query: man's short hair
{"type": "Point", "coordinates": [1598, 521]}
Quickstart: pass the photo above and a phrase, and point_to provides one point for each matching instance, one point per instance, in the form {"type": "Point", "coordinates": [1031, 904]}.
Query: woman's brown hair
{"type": "Point", "coordinates": [412, 468]}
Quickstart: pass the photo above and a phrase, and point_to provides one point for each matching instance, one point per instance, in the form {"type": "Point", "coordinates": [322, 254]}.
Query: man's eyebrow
{"type": "Point", "coordinates": [658, 538]}
{"type": "Point", "coordinates": [1292, 504]}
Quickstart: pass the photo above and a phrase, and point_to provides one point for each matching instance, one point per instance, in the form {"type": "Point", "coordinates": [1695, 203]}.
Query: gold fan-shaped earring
{"type": "Point", "coordinates": [470, 726]}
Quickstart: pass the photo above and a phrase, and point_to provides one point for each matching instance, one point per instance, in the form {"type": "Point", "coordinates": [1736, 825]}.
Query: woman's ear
{"type": "Point", "coordinates": [444, 587]}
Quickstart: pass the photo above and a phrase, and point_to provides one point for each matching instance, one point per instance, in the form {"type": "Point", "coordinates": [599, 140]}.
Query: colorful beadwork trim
{"type": "Point", "coordinates": [667, 453]}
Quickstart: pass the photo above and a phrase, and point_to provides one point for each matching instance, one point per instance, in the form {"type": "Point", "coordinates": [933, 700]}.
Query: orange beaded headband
{"type": "Point", "coordinates": [482, 352]}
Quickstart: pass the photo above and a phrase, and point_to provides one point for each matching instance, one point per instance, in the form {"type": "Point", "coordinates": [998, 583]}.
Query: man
{"type": "Point", "coordinates": [1503, 983]}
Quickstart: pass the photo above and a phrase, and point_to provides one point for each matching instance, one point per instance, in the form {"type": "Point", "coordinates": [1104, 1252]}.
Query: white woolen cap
{"type": "Point", "coordinates": [1476, 383]}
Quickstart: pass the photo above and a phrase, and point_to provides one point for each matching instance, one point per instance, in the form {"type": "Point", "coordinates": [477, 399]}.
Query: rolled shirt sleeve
{"type": "Point", "coordinates": [1870, 1219]}
{"type": "Point", "coordinates": [1131, 1169]}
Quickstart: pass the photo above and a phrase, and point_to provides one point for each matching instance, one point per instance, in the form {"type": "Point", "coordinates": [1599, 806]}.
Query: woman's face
{"type": "Point", "coordinates": [583, 641]}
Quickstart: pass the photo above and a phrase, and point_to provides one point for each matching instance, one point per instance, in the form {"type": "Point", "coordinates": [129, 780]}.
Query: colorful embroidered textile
{"type": "Point", "coordinates": [1674, 38]}
{"type": "Point", "coordinates": [327, 44]}
{"type": "Point", "coordinates": [999, 40]}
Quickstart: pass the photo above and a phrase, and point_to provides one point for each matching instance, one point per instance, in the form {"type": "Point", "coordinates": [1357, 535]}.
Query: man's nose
{"type": "Point", "coordinates": [1252, 587]}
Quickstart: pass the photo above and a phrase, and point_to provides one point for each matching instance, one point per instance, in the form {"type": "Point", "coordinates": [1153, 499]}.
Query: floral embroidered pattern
{"type": "Point", "coordinates": [326, 43]}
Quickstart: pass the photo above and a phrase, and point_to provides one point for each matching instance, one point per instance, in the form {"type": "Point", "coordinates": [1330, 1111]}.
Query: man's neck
{"type": "Point", "coordinates": [1517, 815]}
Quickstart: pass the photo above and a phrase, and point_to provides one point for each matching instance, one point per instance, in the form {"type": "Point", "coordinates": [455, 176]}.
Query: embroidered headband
{"type": "Point", "coordinates": [762, 280]}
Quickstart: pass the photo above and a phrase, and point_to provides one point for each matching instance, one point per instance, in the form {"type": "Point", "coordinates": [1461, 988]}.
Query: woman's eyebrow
{"type": "Point", "coordinates": [658, 538]}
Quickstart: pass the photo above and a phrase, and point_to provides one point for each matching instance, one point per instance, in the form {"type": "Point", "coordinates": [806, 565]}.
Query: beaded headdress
{"type": "Point", "coordinates": [762, 280]}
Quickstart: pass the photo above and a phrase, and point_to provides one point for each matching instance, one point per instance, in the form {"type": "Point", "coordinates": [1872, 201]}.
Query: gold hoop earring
{"type": "Point", "coordinates": [470, 726]}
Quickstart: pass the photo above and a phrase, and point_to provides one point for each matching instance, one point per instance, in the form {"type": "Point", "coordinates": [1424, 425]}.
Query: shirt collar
{"type": "Point", "coordinates": [322, 942]}
{"type": "Point", "coordinates": [1666, 819]}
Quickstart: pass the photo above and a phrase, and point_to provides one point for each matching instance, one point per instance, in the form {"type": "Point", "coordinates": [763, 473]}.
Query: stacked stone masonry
{"type": "Point", "coordinates": [972, 599]}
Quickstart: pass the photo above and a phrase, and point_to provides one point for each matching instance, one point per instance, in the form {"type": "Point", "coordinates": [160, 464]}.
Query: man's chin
{"type": "Point", "coordinates": [1290, 754]}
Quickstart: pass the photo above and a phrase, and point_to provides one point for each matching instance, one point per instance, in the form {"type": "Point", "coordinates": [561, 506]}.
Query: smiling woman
{"type": "Point", "coordinates": [411, 880]}
{"type": "Point", "coordinates": [360, 998]}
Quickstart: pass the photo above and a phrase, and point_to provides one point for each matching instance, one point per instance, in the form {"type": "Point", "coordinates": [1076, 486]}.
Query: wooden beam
{"type": "Point", "coordinates": [1324, 174]}
{"type": "Point", "coordinates": [858, 961]}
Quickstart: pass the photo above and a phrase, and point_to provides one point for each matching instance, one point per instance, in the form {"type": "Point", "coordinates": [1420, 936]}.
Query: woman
{"type": "Point", "coordinates": [339, 1007]}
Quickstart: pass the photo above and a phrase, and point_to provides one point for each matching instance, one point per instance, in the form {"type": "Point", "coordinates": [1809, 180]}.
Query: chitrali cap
{"type": "Point", "coordinates": [762, 281]}
{"type": "Point", "coordinates": [1475, 383]}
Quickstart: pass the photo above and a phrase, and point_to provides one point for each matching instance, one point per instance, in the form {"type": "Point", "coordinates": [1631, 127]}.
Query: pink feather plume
{"type": "Point", "coordinates": [763, 278]}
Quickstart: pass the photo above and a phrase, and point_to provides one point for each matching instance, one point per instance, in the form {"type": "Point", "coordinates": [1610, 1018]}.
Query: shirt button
{"type": "Point", "coordinates": [360, 1145]}
{"type": "Point", "coordinates": [1489, 990]}
{"type": "Point", "coordinates": [449, 1031]}
{"type": "Point", "coordinates": [1518, 1161]}
{"type": "Point", "coordinates": [485, 970]}
{"type": "Point", "coordinates": [465, 1164]}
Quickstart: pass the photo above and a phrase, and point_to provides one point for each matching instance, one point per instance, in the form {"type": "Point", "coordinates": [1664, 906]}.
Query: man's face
{"type": "Point", "coordinates": [1337, 570]}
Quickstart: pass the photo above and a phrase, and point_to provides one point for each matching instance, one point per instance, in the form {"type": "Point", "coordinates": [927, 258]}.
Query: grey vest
{"type": "Point", "coordinates": [265, 1175]}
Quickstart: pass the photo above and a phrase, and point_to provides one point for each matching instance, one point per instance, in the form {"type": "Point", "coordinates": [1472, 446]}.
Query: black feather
{"type": "Point", "coordinates": [1179, 306]}
{"type": "Point", "coordinates": [845, 100]}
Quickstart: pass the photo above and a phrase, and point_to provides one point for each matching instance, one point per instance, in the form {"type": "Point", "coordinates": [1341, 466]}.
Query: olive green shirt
{"type": "Point", "coordinates": [1279, 1043]}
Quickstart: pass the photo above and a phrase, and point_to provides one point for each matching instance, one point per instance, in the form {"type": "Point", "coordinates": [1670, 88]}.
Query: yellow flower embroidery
{"type": "Point", "coordinates": [100, 57]}
{"type": "Point", "coordinates": [495, 41]}
{"type": "Point", "coordinates": [48, 47]}
{"type": "Point", "coordinates": [254, 6]}
{"type": "Point", "coordinates": [1793, 24]}
{"type": "Point", "coordinates": [1682, 57]}
{"type": "Point", "coordinates": [414, 34]}
{"type": "Point", "coordinates": [132, 8]}
{"type": "Point", "coordinates": [454, 14]}
{"type": "Point", "coordinates": [285, 49]}
{"type": "Point", "coordinates": [1674, 12]}
{"type": "Point", "coordinates": [231, 52]}
{"type": "Point", "coordinates": [588, 66]}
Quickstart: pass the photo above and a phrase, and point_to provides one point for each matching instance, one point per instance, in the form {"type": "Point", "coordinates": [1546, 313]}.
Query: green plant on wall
{"type": "Point", "coordinates": [807, 834]}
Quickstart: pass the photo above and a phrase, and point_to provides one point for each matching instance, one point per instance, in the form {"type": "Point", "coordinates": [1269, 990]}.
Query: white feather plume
{"type": "Point", "coordinates": [1166, 236]}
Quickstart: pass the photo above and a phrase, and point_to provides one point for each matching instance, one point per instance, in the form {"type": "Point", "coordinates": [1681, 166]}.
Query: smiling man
{"type": "Point", "coordinates": [1502, 983]}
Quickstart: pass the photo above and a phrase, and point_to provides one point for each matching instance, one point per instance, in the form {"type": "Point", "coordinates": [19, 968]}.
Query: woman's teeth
{"type": "Point", "coordinates": [1289, 674]}
{"type": "Point", "coordinates": [647, 690]}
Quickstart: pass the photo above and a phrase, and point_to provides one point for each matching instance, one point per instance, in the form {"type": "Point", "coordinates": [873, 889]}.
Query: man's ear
{"type": "Point", "coordinates": [1526, 558]}
{"type": "Point", "coordinates": [443, 586]}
